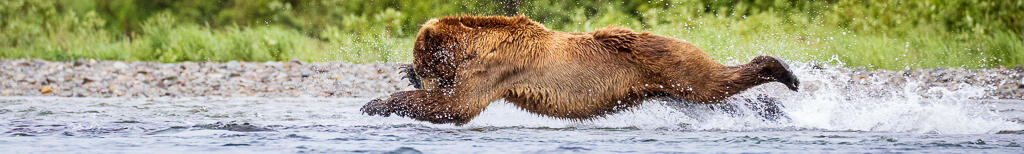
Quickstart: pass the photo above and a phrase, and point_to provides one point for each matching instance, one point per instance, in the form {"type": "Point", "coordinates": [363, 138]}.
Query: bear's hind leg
{"type": "Point", "coordinates": [433, 105]}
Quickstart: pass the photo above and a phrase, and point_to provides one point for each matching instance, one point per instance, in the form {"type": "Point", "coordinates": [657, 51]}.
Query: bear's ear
{"type": "Point", "coordinates": [620, 39]}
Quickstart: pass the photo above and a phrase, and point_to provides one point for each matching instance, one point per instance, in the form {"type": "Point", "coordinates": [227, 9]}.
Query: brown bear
{"type": "Point", "coordinates": [463, 63]}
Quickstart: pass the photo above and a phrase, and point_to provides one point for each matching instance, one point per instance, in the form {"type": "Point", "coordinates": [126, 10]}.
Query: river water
{"type": "Point", "coordinates": [825, 116]}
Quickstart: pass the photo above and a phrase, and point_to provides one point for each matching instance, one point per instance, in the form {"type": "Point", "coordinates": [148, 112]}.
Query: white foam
{"type": "Point", "coordinates": [828, 100]}
{"type": "Point", "coordinates": [831, 103]}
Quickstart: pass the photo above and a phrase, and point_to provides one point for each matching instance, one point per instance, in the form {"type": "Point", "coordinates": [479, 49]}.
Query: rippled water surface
{"type": "Point", "coordinates": [34, 124]}
{"type": "Point", "coordinates": [826, 116]}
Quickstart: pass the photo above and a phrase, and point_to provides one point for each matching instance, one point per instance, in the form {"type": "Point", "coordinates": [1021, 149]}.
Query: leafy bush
{"type": "Point", "coordinates": [871, 33]}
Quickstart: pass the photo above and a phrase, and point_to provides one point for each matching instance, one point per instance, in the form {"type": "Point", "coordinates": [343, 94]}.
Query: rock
{"type": "Point", "coordinates": [89, 79]}
{"type": "Point", "coordinates": [233, 65]}
{"type": "Point", "coordinates": [215, 76]}
{"type": "Point", "coordinates": [46, 90]}
{"type": "Point", "coordinates": [120, 65]}
{"type": "Point", "coordinates": [19, 77]}
{"type": "Point", "coordinates": [78, 63]}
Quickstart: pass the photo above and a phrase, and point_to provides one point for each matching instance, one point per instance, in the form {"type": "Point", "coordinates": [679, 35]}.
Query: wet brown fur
{"type": "Point", "coordinates": [466, 62]}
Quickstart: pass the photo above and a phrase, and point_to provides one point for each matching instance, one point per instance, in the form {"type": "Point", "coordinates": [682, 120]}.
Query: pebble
{"type": "Point", "coordinates": [46, 90]}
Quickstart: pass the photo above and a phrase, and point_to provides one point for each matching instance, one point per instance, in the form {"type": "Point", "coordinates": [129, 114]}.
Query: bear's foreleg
{"type": "Point", "coordinates": [434, 105]}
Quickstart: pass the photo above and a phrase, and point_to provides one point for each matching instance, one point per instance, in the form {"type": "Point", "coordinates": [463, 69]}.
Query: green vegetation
{"type": "Point", "coordinates": [877, 34]}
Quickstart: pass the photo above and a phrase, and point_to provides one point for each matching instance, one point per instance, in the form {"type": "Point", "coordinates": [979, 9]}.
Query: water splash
{"type": "Point", "coordinates": [830, 99]}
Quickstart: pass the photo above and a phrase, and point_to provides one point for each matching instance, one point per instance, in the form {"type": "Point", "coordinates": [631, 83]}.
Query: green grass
{"type": "Point", "coordinates": [877, 35]}
{"type": "Point", "coordinates": [741, 40]}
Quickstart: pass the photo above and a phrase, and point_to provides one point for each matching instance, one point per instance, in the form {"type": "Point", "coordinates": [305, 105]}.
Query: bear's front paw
{"type": "Point", "coordinates": [376, 107]}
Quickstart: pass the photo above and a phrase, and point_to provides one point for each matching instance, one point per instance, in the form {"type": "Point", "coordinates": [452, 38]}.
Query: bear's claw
{"type": "Point", "coordinates": [376, 107]}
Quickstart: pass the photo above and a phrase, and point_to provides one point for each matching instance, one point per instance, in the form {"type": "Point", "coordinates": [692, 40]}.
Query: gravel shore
{"type": "Point", "coordinates": [90, 78]}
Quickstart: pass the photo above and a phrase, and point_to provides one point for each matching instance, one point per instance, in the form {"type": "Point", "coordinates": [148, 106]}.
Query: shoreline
{"type": "Point", "coordinates": [104, 79]}
{"type": "Point", "coordinates": [90, 78]}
